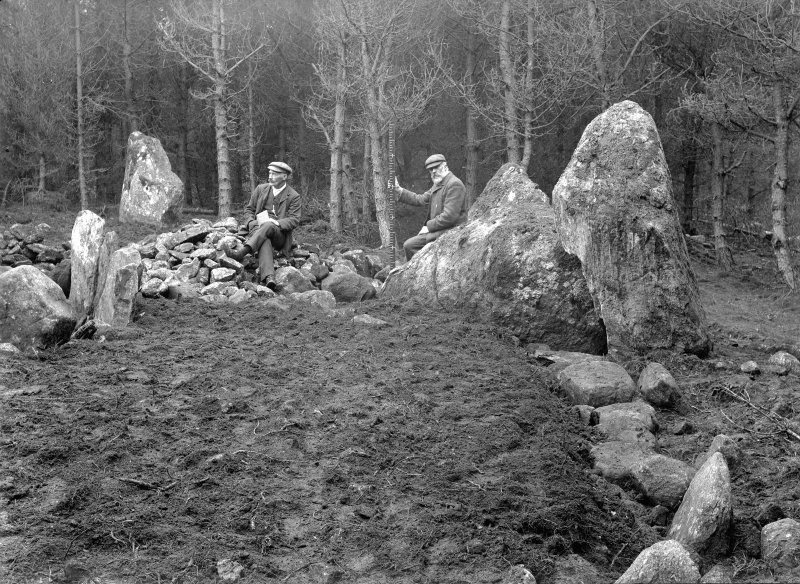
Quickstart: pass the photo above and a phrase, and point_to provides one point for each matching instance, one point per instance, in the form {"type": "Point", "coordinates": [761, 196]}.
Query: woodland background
{"type": "Point", "coordinates": [229, 85]}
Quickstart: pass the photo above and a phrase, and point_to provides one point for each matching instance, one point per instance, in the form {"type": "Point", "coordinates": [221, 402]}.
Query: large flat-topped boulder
{"type": "Point", "coordinates": [507, 263]}
{"type": "Point", "coordinates": [615, 211]}
{"type": "Point", "coordinates": [151, 192]}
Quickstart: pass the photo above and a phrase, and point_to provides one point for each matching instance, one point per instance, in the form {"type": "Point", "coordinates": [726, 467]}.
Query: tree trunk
{"type": "Point", "coordinates": [473, 143]}
{"type": "Point", "coordinates": [189, 194]}
{"type": "Point", "coordinates": [42, 173]}
{"type": "Point", "coordinates": [597, 40]}
{"type": "Point", "coordinates": [527, 148]}
{"type": "Point", "coordinates": [718, 182]}
{"type": "Point", "coordinates": [251, 130]}
{"type": "Point", "coordinates": [507, 72]}
{"type": "Point", "coordinates": [366, 215]}
{"type": "Point", "coordinates": [130, 106]}
{"type": "Point", "coordinates": [281, 139]}
{"type": "Point", "coordinates": [220, 112]}
{"type": "Point", "coordinates": [779, 184]}
{"type": "Point", "coordinates": [348, 195]}
{"type": "Point", "coordinates": [79, 106]}
{"type": "Point", "coordinates": [690, 154]}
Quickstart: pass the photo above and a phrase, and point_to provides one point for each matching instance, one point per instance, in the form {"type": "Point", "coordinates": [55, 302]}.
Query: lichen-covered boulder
{"type": "Point", "coordinates": [34, 313]}
{"type": "Point", "coordinates": [151, 192]}
{"type": "Point", "coordinates": [507, 264]}
{"type": "Point", "coordinates": [615, 211]}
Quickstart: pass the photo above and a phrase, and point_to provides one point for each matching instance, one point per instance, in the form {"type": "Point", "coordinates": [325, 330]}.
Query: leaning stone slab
{"type": "Point", "coordinates": [151, 192]}
{"type": "Point", "coordinates": [506, 264]}
{"type": "Point", "coordinates": [780, 549]}
{"type": "Point", "coordinates": [115, 305]}
{"type": "Point", "coordinates": [663, 480]}
{"type": "Point", "coordinates": [87, 237]}
{"type": "Point", "coordinates": [665, 561]}
{"type": "Point", "coordinates": [703, 521]}
{"type": "Point", "coordinates": [658, 387]}
{"type": "Point", "coordinates": [34, 313]}
{"type": "Point", "coordinates": [614, 209]}
{"type": "Point", "coordinates": [108, 246]}
{"type": "Point", "coordinates": [596, 383]}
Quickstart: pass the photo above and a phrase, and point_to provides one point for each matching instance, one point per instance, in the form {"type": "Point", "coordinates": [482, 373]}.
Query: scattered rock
{"type": "Point", "coordinates": [518, 574]}
{"type": "Point", "coordinates": [321, 298]}
{"type": "Point", "coordinates": [663, 480]}
{"type": "Point", "coordinates": [596, 383]}
{"type": "Point", "coordinates": [665, 561]}
{"type": "Point", "coordinates": [785, 360]}
{"type": "Point", "coordinates": [658, 387]}
{"type": "Point", "coordinates": [718, 574]}
{"type": "Point", "coordinates": [749, 367]}
{"type": "Point", "coordinates": [573, 569]}
{"type": "Point", "coordinates": [229, 570]}
{"type": "Point", "coordinates": [349, 286]}
{"type": "Point", "coordinates": [368, 320]}
{"type": "Point", "coordinates": [780, 549]}
{"type": "Point", "coordinates": [290, 280]}
{"type": "Point", "coordinates": [616, 461]}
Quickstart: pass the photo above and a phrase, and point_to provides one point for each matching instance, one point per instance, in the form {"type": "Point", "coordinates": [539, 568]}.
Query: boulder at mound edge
{"type": "Point", "coordinates": [615, 211]}
{"type": "Point", "coordinates": [34, 313]}
{"type": "Point", "coordinates": [506, 263]}
{"type": "Point", "coordinates": [151, 192]}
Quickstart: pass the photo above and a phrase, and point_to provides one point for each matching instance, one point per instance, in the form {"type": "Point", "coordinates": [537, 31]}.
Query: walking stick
{"type": "Point", "coordinates": [391, 194]}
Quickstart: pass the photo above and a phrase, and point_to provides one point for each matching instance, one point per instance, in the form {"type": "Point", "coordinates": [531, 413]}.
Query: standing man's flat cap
{"type": "Point", "coordinates": [433, 161]}
{"type": "Point", "coordinates": [280, 167]}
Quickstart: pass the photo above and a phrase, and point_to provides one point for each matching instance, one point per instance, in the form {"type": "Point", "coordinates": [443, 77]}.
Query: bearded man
{"type": "Point", "coordinates": [446, 200]}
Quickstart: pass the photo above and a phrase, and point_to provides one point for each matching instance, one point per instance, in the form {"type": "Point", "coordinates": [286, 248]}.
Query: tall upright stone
{"type": "Point", "coordinates": [151, 192]}
{"type": "Point", "coordinates": [506, 263]}
{"type": "Point", "coordinates": [86, 240]}
{"type": "Point", "coordinates": [615, 210]}
{"type": "Point", "coordinates": [121, 285]}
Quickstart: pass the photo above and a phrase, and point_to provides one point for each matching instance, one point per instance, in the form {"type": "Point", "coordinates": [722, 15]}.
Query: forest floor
{"type": "Point", "coordinates": [305, 448]}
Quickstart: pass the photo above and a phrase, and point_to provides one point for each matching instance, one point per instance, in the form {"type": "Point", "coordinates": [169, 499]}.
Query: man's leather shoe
{"type": "Point", "coordinates": [270, 283]}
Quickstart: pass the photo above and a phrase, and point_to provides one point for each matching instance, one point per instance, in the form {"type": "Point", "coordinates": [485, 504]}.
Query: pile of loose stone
{"type": "Point", "coordinates": [199, 260]}
{"type": "Point", "coordinates": [697, 539]}
{"type": "Point", "coordinates": [22, 245]}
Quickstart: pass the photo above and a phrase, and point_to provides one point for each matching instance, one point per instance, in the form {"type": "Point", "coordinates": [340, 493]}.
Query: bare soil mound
{"type": "Point", "coordinates": [307, 448]}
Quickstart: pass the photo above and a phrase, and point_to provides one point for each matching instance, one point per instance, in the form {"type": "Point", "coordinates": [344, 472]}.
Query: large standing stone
{"type": "Point", "coordinates": [665, 561]}
{"type": "Point", "coordinates": [615, 211]}
{"type": "Point", "coordinates": [121, 285]}
{"type": "Point", "coordinates": [703, 521]}
{"type": "Point", "coordinates": [34, 313]}
{"type": "Point", "coordinates": [87, 237]}
{"type": "Point", "coordinates": [151, 192]}
{"type": "Point", "coordinates": [506, 263]}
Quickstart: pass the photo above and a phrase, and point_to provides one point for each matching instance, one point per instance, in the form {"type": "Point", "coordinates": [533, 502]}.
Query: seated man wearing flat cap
{"type": "Point", "coordinates": [270, 216]}
{"type": "Point", "coordinates": [446, 200]}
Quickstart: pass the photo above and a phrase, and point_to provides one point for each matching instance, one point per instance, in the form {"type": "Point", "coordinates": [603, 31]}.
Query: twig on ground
{"type": "Point", "coordinates": [137, 483]}
{"type": "Point", "coordinates": [300, 569]}
{"type": "Point", "coordinates": [782, 422]}
{"type": "Point", "coordinates": [623, 547]}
